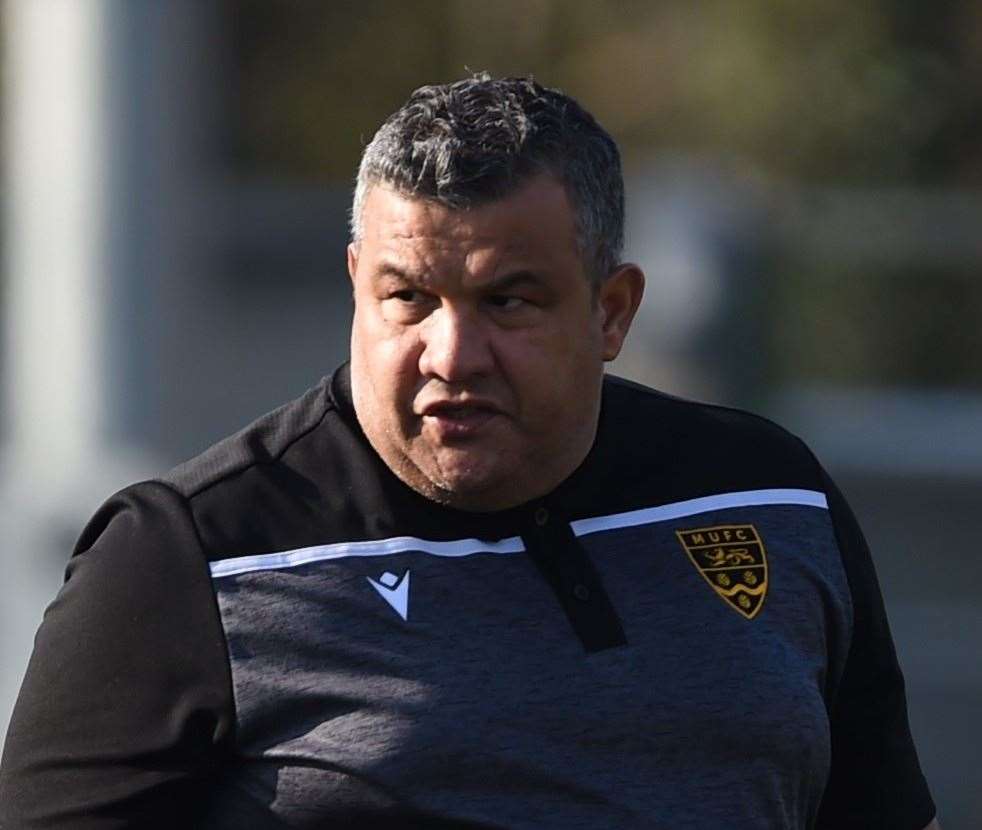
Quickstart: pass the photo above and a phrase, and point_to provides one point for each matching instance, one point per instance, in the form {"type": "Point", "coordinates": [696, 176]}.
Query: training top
{"type": "Point", "coordinates": [686, 634]}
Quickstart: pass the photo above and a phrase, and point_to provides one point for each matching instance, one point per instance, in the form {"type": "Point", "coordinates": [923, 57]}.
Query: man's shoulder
{"type": "Point", "coordinates": [692, 417]}
{"type": "Point", "coordinates": [263, 441]}
{"type": "Point", "coordinates": [705, 441]}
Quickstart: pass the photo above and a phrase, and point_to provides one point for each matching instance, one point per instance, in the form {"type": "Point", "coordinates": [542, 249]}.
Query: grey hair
{"type": "Point", "coordinates": [476, 140]}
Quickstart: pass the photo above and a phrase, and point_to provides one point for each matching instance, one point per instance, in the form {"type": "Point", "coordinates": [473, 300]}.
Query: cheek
{"type": "Point", "coordinates": [550, 371]}
{"type": "Point", "coordinates": [390, 359]}
{"type": "Point", "coordinates": [582, 364]}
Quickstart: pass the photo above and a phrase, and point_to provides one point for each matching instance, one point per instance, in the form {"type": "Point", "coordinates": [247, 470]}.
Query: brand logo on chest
{"type": "Point", "coordinates": [732, 560]}
{"type": "Point", "coordinates": [394, 590]}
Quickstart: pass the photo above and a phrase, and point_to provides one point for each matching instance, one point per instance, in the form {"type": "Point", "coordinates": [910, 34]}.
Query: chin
{"type": "Point", "coordinates": [471, 488]}
{"type": "Point", "coordinates": [467, 485]}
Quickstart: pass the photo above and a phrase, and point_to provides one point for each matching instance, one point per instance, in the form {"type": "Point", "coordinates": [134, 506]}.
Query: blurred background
{"type": "Point", "coordinates": [804, 192]}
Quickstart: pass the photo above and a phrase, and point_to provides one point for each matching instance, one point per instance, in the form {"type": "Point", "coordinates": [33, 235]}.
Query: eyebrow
{"type": "Point", "coordinates": [502, 283]}
{"type": "Point", "coordinates": [513, 279]}
{"type": "Point", "coordinates": [390, 269]}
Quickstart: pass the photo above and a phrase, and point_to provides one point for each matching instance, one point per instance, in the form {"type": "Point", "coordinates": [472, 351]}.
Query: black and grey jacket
{"type": "Point", "coordinates": [687, 633]}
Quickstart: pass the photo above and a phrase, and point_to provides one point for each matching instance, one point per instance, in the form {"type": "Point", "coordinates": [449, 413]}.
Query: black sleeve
{"type": "Point", "coordinates": [875, 781]}
{"type": "Point", "coordinates": [126, 706]}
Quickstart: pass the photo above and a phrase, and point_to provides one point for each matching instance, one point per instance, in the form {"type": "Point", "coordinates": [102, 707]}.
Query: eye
{"type": "Point", "coordinates": [407, 295]}
{"type": "Point", "coordinates": [407, 305]}
{"type": "Point", "coordinates": [507, 302]}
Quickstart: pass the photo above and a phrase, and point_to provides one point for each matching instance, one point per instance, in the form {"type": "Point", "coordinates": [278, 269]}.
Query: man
{"type": "Point", "coordinates": [467, 581]}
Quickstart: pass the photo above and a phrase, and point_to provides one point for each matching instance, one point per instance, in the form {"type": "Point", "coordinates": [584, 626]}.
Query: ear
{"type": "Point", "coordinates": [618, 298]}
{"type": "Point", "coordinates": [352, 261]}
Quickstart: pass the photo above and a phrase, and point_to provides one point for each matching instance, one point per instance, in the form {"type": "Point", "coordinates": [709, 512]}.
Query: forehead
{"type": "Point", "coordinates": [535, 220]}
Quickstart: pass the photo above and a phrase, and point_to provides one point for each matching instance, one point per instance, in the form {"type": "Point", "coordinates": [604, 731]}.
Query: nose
{"type": "Point", "coordinates": [455, 346]}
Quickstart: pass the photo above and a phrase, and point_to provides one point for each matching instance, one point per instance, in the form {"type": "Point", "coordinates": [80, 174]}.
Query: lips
{"type": "Point", "coordinates": [458, 419]}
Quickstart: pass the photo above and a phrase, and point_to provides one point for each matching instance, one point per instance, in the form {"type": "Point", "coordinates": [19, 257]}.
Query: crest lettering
{"type": "Point", "coordinates": [732, 560]}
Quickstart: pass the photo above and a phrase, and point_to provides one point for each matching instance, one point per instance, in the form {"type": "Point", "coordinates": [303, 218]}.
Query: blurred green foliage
{"type": "Point", "coordinates": [804, 93]}
{"type": "Point", "coordinates": [827, 90]}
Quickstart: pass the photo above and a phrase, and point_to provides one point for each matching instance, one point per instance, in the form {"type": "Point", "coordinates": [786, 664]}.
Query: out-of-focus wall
{"type": "Point", "coordinates": [805, 188]}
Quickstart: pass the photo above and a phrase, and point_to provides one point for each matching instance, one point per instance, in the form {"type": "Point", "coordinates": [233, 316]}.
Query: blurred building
{"type": "Point", "coordinates": [175, 267]}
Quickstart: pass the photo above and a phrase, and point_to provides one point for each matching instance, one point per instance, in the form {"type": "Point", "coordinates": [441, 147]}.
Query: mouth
{"type": "Point", "coordinates": [458, 419]}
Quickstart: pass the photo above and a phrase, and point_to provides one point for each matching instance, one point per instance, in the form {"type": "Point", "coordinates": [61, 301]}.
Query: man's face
{"type": "Point", "coordinates": [478, 345]}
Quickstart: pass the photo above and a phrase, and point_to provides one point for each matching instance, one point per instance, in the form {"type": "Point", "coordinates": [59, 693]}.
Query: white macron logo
{"type": "Point", "coordinates": [394, 591]}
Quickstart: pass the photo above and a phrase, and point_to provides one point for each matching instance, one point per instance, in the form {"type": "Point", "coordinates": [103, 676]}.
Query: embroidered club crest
{"type": "Point", "coordinates": [731, 559]}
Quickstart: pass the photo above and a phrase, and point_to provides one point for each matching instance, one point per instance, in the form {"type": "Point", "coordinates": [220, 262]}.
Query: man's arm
{"type": "Point", "coordinates": [126, 704]}
{"type": "Point", "coordinates": [875, 781]}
